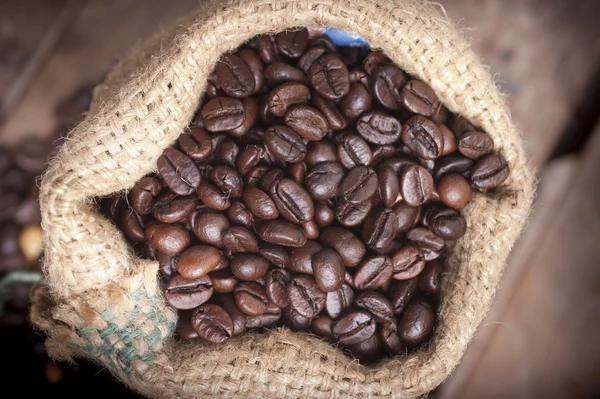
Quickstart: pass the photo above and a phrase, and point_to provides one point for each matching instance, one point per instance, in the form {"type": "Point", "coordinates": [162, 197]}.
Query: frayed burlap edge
{"type": "Point", "coordinates": [103, 303]}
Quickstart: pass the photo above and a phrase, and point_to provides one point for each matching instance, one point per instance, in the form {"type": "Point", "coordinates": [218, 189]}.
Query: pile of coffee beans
{"type": "Point", "coordinates": [315, 189]}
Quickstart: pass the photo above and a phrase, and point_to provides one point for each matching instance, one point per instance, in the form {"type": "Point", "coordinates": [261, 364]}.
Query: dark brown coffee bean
{"type": "Point", "coordinates": [416, 185]}
{"type": "Point", "coordinates": [328, 75]}
{"type": "Point", "coordinates": [239, 214]}
{"type": "Point", "coordinates": [324, 180]}
{"type": "Point", "coordinates": [297, 171]}
{"type": "Point", "coordinates": [178, 171]}
{"type": "Point", "coordinates": [170, 239]}
{"type": "Point", "coordinates": [429, 279]}
{"type": "Point", "coordinates": [269, 318]}
{"type": "Point", "coordinates": [386, 84]}
{"type": "Point", "coordinates": [460, 126]}
{"type": "Point", "coordinates": [293, 201]}
{"type": "Point", "coordinates": [475, 144]}
{"type": "Point", "coordinates": [350, 215]}
{"type": "Point", "coordinates": [253, 60]}
{"type": "Point", "coordinates": [182, 293]}
{"type": "Point", "coordinates": [286, 95]}
{"type": "Point", "coordinates": [380, 228]}
{"type": "Point", "coordinates": [390, 337]}
{"type": "Point", "coordinates": [114, 208]}
{"type": "Point", "coordinates": [250, 117]}
{"type": "Point", "coordinates": [276, 284]}
{"type": "Point", "coordinates": [240, 239]}
{"type": "Point", "coordinates": [143, 194]}
{"type": "Point", "coordinates": [305, 296]}
{"type": "Point", "coordinates": [373, 273]}
{"type": "Point", "coordinates": [260, 204]}
{"type": "Point", "coordinates": [322, 326]}
{"type": "Point", "coordinates": [184, 328]}
{"type": "Point", "coordinates": [419, 98]}
{"type": "Point", "coordinates": [324, 215]}
{"type": "Point", "coordinates": [238, 317]}
{"type": "Point", "coordinates": [446, 223]}
{"type": "Point", "coordinates": [281, 72]}
{"type": "Point", "coordinates": [416, 324]}
{"type": "Point", "coordinates": [249, 157]}
{"type": "Point", "coordinates": [329, 110]}
{"type": "Point", "coordinates": [455, 191]}
{"type": "Point", "coordinates": [212, 323]}
{"type": "Point", "coordinates": [354, 327]}
{"type": "Point", "coordinates": [264, 111]}
{"type": "Point", "coordinates": [401, 292]}
{"type": "Point", "coordinates": [198, 261]}
{"type": "Point", "coordinates": [367, 351]}
{"type": "Point", "coordinates": [226, 153]}
{"type": "Point", "coordinates": [234, 76]}
{"type": "Point", "coordinates": [249, 267]}
{"type": "Point", "coordinates": [320, 151]}
{"type": "Point", "coordinates": [265, 46]}
{"type": "Point", "coordinates": [170, 208]}
{"type": "Point", "coordinates": [212, 197]}
{"type": "Point", "coordinates": [489, 172]}
{"type": "Point", "coordinates": [223, 281]}
{"type": "Point", "coordinates": [374, 60]}
{"type": "Point", "coordinates": [292, 43]}
{"type": "Point", "coordinates": [378, 127]}
{"type": "Point", "coordinates": [294, 320]}
{"type": "Point", "coordinates": [301, 258]}
{"type": "Point", "coordinates": [310, 56]}
{"type": "Point", "coordinates": [407, 263]}
{"type": "Point", "coordinates": [328, 270]}
{"type": "Point", "coordinates": [451, 164]}
{"type": "Point", "coordinates": [423, 137]}
{"type": "Point", "coordinates": [308, 122]}
{"type": "Point", "coordinates": [285, 144]}
{"type": "Point", "coordinates": [348, 246]}
{"type": "Point", "coordinates": [383, 152]}
{"type": "Point", "coordinates": [221, 114]}
{"type": "Point", "coordinates": [196, 144]}
{"type": "Point", "coordinates": [282, 233]}
{"type": "Point", "coordinates": [359, 185]}
{"type": "Point", "coordinates": [275, 254]}
{"type": "Point", "coordinates": [353, 151]}
{"type": "Point", "coordinates": [450, 144]}
{"type": "Point", "coordinates": [270, 178]}
{"type": "Point", "coordinates": [357, 101]}
{"type": "Point", "coordinates": [167, 264]}
{"type": "Point", "coordinates": [209, 227]}
{"type": "Point", "coordinates": [389, 186]}
{"type": "Point", "coordinates": [376, 304]}
{"type": "Point", "coordinates": [425, 239]}
{"type": "Point", "coordinates": [133, 226]}
{"type": "Point", "coordinates": [358, 75]}
{"type": "Point", "coordinates": [338, 302]}
{"type": "Point", "coordinates": [228, 180]}
{"type": "Point", "coordinates": [251, 298]}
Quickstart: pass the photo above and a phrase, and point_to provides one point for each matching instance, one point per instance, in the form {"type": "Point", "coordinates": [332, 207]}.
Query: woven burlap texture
{"type": "Point", "coordinates": [105, 304]}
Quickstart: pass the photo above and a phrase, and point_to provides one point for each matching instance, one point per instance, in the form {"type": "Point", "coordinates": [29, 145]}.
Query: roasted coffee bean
{"type": "Point", "coordinates": [359, 185]}
{"type": "Point", "coordinates": [167, 264]}
{"type": "Point", "coordinates": [294, 320]}
{"type": "Point", "coordinates": [170, 208]}
{"type": "Point", "coordinates": [322, 326]}
{"type": "Point", "coordinates": [301, 258]}
{"type": "Point", "coordinates": [282, 233]}
{"type": "Point", "coordinates": [212, 323]}
{"type": "Point", "coordinates": [281, 72]}
{"type": "Point", "coordinates": [489, 172]}
{"type": "Point", "coordinates": [240, 239]}
{"type": "Point", "coordinates": [324, 180]}
{"type": "Point", "coordinates": [292, 200]}
{"type": "Point", "coordinates": [305, 296]}
{"type": "Point", "coordinates": [425, 239]}
{"type": "Point", "coordinates": [378, 127]}
{"type": "Point", "coordinates": [182, 293]}
{"type": "Point", "coordinates": [383, 152]}
{"type": "Point", "coordinates": [275, 254]}
{"type": "Point", "coordinates": [143, 194]}
{"type": "Point", "coordinates": [307, 121]}
{"type": "Point", "coordinates": [320, 151]}
{"type": "Point", "coordinates": [250, 117]}
{"type": "Point", "coordinates": [133, 226]}
{"type": "Point", "coordinates": [249, 157]}
{"type": "Point", "coordinates": [276, 284]}
{"type": "Point", "coordinates": [209, 227]}
{"type": "Point", "coordinates": [221, 114]}
{"type": "Point", "coordinates": [446, 223]}
{"type": "Point", "coordinates": [354, 327]}
{"type": "Point", "coordinates": [324, 215]}
{"type": "Point", "coordinates": [353, 151]}
{"type": "Point", "coordinates": [338, 302]}
{"type": "Point", "coordinates": [374, 60]}
{"type": "Point", "coordinates": [170, 239]}
{"type": "Point", "coordinates": [198, 261]}
{"type": "Point", "coordinates": [272, 316]}
{"type": "Point", "coordinates": [270, 178]}
{"type": "Point", "coordinates": [373, 273]}
{"type": "Point", "coordinates": [223, 281]}
{"type": "Point", "coordinates": [380, 228]}
{"type": "Point", "coordinates": [114, 208]}
{"type": "Point", "coordinates": [234, 76]}
{"type": "Point", "coordinates": [390, 337]}
{"type": "Point", "coordinates": [328, 75]}
{"type": "Point", "coordinates": [238, 317]}
{"type": "Point", "coordinates": [386, 85]}
{"type": "Point", "coordinates": [178, 171]}
{"type": "Point", "coordinates": [251, 298]}
{"type": "Point", "coordinates": [228, 180]}
{"type": "Point", "coordinates": [260, 204]}
{"type": "Point", "coordinates": [429, 279]}
{"type": "Point", "coordinates": [184, 326]}
{"type": "Point", "coordinates": [253, 60]}
{"type": "Point", "coordinates": [367, 351]}
{"type": "Point", "coordinates": [419, 98]}
{"type": "Point", "coordinates": [196, 144]}
{"type": "Point", "coordinates": [265, 46]}
{"type": "Point", "coordinates": [401, 292]}
{"type": "Point", "coordinates": [329, 110]}
{"type": "Point", "coordinates": [376, 304]}
{"type": "Point", "coordinates": [310, 56]}
{"type": "Point", "coordinates": [286, 95]}
{"type": "Point", "coordinates": [451, 164]}
{"type": "Point", "coordinates": [460, 126]}
{"type": "Point", "coordinates": [358, 75]}
{"type": "Point", "coordinates": [311, 229]}
{"type": "Point", "coordinates": [348, 246]}
{"type": "Point", "coordinates": [264, 111]}
{"type": "Point", "coordinates": [350, 215]}
{"type": "Point", "coordinates": [227, 153]}
{"type": "Point", "coordinates": [297, 172]}
{"type": "Point", "coordinates": [389, 186]}
{"type": "Point", "coordinates": [239, 214]}
{"type": "Point", "coordinates": [416, 185]}
{"type": "Point", "coordinates": [292, 43]}
{"type": "Point", "coordinates": [423, 137]}
{"type": "Point", "coordinates": [407, 263]}
{"type": "Point", "coordinates": [249, 267]}
{"type": "Point", "coordinates": [475, 144]}
{"type": "Point", "coordinates": [357, 101]}
{"type": "Point", "coordinates": [455, 191]}
{"type": "Point", "coordinates": [417, 322]}
{"type": "Point", "coordinates": [285, 144]}
{"type": "Point", "coordinates": [328, 270]}
{"type": "Point", "coordinates": [450, 144]}
{"type": "Point", "coordinates": [212, 197]}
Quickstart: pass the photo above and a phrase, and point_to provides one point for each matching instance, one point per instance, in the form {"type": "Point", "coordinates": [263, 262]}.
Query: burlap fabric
{"type": "Point", "coordinates": [103, 303]}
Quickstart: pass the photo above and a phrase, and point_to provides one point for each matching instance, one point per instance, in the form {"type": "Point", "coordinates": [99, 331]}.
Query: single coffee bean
{"type": "Point", "coordinates": [328, 269]}
{"type": "Point", "coordinates": [226, 153]}
{"type": "Point", "coordinates": [350, 215]}
{"type": "Point", "coordinates": [324, 215]}
{"type": "Point", "coordinates": [446, 223]}
{"type": "Point", "coordinates": [260, 204]}
{"type": "Point", "coordinates": [286, 95]}
{"type": "Point", "coordinates": [249, 267]}
{"type": "Point", "coordinates": [358, 75]}
{"type": "Point", "coordinates": [240, 239]}
{"type": "Point", "coordinates": [390, 337]}
{"type": "Point", "coordinates": [386, 84]}
{"type": "Point", "coordinates": [239, 214]}
{"type": "Point", "coordinates": [373, 273]}
{"type": "Point", "coordinates": [170, 209]}
{"type": "Point", "coordinates": [378, 127]}
{"type": "Point", "coordinates": [182, 293]}
{"type": "Point", "coordinates": [228, 180]}
{"type": "Point", "coordinates": [380, 228]}
{"type": "Point", "coordinates": [351, 249]}
{"type": "Point", "coordinates": [367, 351]}
{"type": "Point", "coordinates": [282, 233]}
{"type": "Point", "coordinates": [251, 298]}
{"type": "Point", "coordinates": [460, 126]}
{"type": "Point", "coordinates": [294, 320]}
{"type": "Point", "coordinates": [212, 323]}
{"type": "Point", "coordinates": [285, 144]}
{"type": "Point", "coordinates": [253, 60]}
{"type": "Point", "coordinates": [249, 157]}
{"type": "Point", "coordinates": [374, 60]}
{"type": "Point", "coordinates": [269, 318]}
{"type": "Point", "coordinates": [167, 264]}
{"type": "Point", "coordinates": [376, 304]}
{"type": "Point", "coordinates": [198, 261]}
{"type": "Point", "coordinates": [143, 194]}
{"type": "Point", "coordinates": [209, 227]}
{"type": "Point", "coordinates": [221, 114]}
{"type": "Point", "coordinates": [310, 56]}
{"type": "Point", "coordinates": [353, 151]}
{"type": "Point", "coordinates": [238, 317]}
{"type": "Point", "coordinates": [311, 229]}
{"type": "Point", "coordinates": [320, 151]}
{"type": "Point", "coordinates": [323, 181]}
{"type": "Point", "coordinates": [322, 326]}
{"type": "Point", "coordinates": [329, 110]}
{"type": "Point", "coordinates": [223, 281]}
{"type": "Point", "coordinates": [357, 101]}
{"type": "Point", "coordinates": [401, 292]}
{"type": "Point", "coordinates": [451, 164]}
{"type": "Point", "coordinates": [328, 75]}
{"type": "Point", "coordinates": [338, 302]}
{"type": "Point", "coordinates": [114, 208]}
{"type": "Point", "coordinates": [407, 263]}
{"type": "Point", "coordinates": [292, 200]}
{"type": "Point", "coordinates": [307, 121]}
{"type": "Point", "coordinates": [429, 279]}
{"type": "Point", "coordinates": [234, 76]}
{"type": "Point", "coordinates": [423, 137]}
{"type": "Point", "coordinates": [475, 144]}
{"type": "Point", "coordinates": [250, 117]}
{"type": "Point", "coordinates": [389, 186]}
{"type": "Point", "coordinates": [450, 144]}
{"type": "Point", "coordinates": [264, 110]}
{"type": "Point", "coordinates": [281, 72]}
{"type": "Point", "coordinates": [417, 322]}
{"type": "Point", "coordinates": [301, 258]}
{"type": "Point", "coordinates": [354, 327]}
{"type": "Point", "coordinates": [455, 191]}
{"type": "Point", "coordinates": [292, 43]}
{"type": "Point", "coordinates": [383, 152]}
{"type": "Point", "coordinates": [133, 226]}
{"type": "Point", "coordinates": [170, 239]}
{"type": "Point", "coordinates": [212, 197]}
{"type": "Point", "coordinates": [419, 98]}
{"type": "Point", "coordinates": [270, 178]}
{"type": "Point", "coordinates": [178, 171]}
{"type": "Point", "coordinates": [305, 296]}
{"type": "Point", "coordinates": [275, 254]}
{"type": "Point", "coordinates": [266, 49]}
{"type": "Point", "coordinates": [425, 239]}
{"type": "Point", "coordinates": [276, 284]}
{"type": "Point", "coordinates": [416, 185]}
{"type": "Point", "coordinates": [297, 171]}
{"type": "Point", "coordinates": [196, 144]}
{"type": "Point", "coordinates": [489, 172]}
{"type": "Point", "coordinates": [359, 185]}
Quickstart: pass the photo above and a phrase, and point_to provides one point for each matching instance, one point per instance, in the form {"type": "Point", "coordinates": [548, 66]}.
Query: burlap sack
{"type": "Point", "coordinates": [104, 304]}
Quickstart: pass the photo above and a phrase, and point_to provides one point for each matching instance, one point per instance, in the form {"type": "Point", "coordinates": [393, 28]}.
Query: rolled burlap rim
{"type": "Point", "coordinates": [105, 304]}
